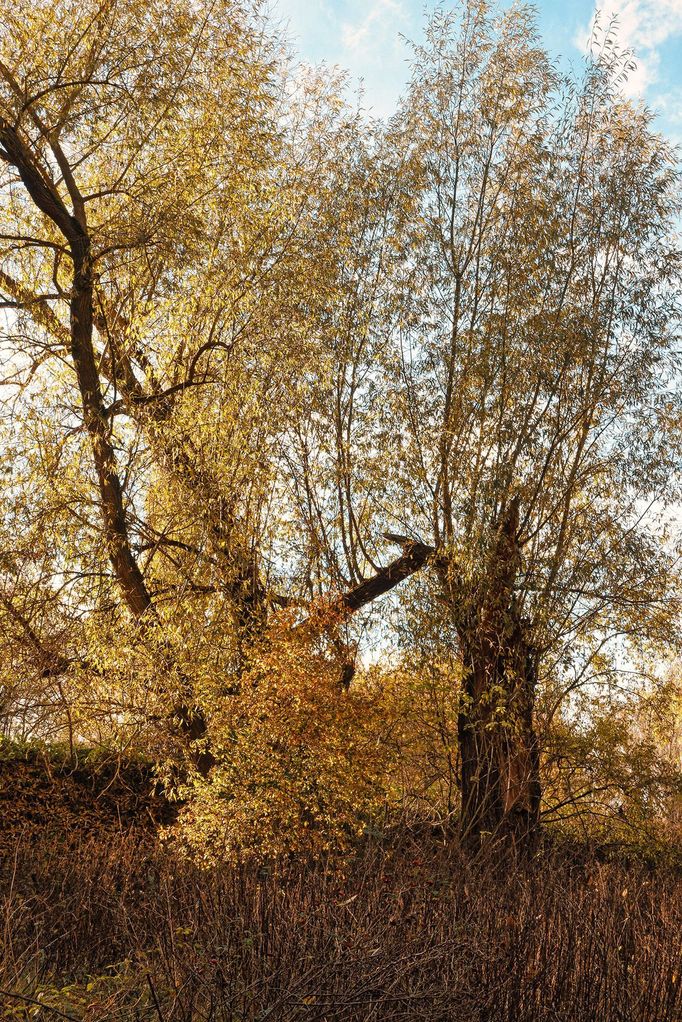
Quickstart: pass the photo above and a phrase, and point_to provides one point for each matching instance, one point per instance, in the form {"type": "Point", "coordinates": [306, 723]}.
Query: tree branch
{"type": "Point", "coordinates": [46, 197]}
{"type": "Point", "coordinates": [414, 556]}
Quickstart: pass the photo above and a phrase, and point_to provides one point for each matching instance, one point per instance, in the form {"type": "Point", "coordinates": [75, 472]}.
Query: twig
{"type": "Point", "coordinates": [156, 1000]}
{"type": "Point", "coordinates": [40, 1004]}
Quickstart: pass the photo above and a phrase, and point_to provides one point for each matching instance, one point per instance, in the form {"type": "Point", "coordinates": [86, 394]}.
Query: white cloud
{"type": "Point", "coordinates": [642, 26]}
{"type": "Point", "coordinates": [382, 20]}
{"type": "Point", "coordinates": [361, 36]}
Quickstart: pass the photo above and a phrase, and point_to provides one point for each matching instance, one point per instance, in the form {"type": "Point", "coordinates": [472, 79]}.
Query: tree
{"type": "Point", "coordinates": [113, 165]}
{"type": "Point", "coordinates": [515, 363]}
{"type": "Point", "coordinates": [166, 248]}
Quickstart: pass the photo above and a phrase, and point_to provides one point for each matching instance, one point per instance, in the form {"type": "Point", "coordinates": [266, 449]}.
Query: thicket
{"type": "Point", "coordinates": [409, 928]}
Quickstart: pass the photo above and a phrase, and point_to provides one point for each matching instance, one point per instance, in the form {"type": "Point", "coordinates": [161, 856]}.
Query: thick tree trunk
{"type": "Point", "coordinates": [499, 755]}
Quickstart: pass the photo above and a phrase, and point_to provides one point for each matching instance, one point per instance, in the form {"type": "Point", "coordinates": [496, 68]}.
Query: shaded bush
{"type": "Point", "coordinates": [46, 796]}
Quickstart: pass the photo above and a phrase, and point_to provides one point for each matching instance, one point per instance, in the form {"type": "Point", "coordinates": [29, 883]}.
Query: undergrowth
{"type": "Point", "coordinates": [116, 929]}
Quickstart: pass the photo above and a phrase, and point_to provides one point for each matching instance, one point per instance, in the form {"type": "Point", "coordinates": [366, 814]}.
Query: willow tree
{"type": "Point", "coordinates": [112, 233]}
{"type": "Point", "coordinates": [541, 379]}
{"type": "Point", "coordinates": [507, 383]}
{"type": "Point", "coordinates": [167, 255]}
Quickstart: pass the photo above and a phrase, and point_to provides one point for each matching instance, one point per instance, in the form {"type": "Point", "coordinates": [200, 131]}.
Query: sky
{"type": "Point", "coordinates": [365, 38]}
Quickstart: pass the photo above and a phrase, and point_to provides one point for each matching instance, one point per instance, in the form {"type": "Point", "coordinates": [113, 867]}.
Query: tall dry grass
{"type": "Point", "coordinates": [114, 929]}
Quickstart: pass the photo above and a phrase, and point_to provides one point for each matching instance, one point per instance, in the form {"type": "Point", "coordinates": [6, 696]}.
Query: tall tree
{"type": "Point", "coordinates": [513, 365]}
{"type": "Point", "coordinates": [114, 164]}
{"type": "Point", "coordinates": [167, 252]}
{"type": "Point", "coordinates": [543, 378]}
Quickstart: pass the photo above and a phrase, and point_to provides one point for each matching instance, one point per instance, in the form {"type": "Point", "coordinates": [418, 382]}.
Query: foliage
{"type": "Point", "coordinates": [302, 767]}
{"type": "Point", "coordinates": [614, 775]}
{"type": "Point", "coordinates": [253, 341]}
{"type": "Point", "coordinates": [421, 704]}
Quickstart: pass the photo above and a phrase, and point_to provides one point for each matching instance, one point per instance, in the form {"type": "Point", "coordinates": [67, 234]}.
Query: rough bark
{"type": "Point", "coordinates": [499, 755]}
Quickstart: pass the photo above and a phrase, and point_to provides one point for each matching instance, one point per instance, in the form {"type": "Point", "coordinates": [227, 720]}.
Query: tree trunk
{"type": "Point", "coordinates": [189, 720]}
{"type": "Point", "coordinates": [499, 754]}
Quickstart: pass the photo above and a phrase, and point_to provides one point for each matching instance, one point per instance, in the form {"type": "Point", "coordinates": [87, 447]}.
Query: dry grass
{"type": "Point", "coordinates": [112, 931]}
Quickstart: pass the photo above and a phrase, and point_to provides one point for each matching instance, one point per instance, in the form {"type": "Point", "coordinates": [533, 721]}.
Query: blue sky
{"type": "Point", "coordinates": [363, 36]}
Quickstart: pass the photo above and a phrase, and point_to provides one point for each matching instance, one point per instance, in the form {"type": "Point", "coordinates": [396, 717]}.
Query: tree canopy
{"type": "Point", "coordinates": [280, 381]}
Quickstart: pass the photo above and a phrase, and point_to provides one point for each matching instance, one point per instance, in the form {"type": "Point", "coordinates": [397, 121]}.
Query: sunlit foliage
{"type": "Point", "coordinates": [255, 344]}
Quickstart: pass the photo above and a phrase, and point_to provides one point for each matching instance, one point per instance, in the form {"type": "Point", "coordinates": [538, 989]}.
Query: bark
{"type": "Point", "coordinates": [499, 753]}
{"type": "Point", "coordinates": [413, 557]}
{"type": "Point", "coordinates": [74, 229]}
{"type": "Point", "coordinates": [125, 566]}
